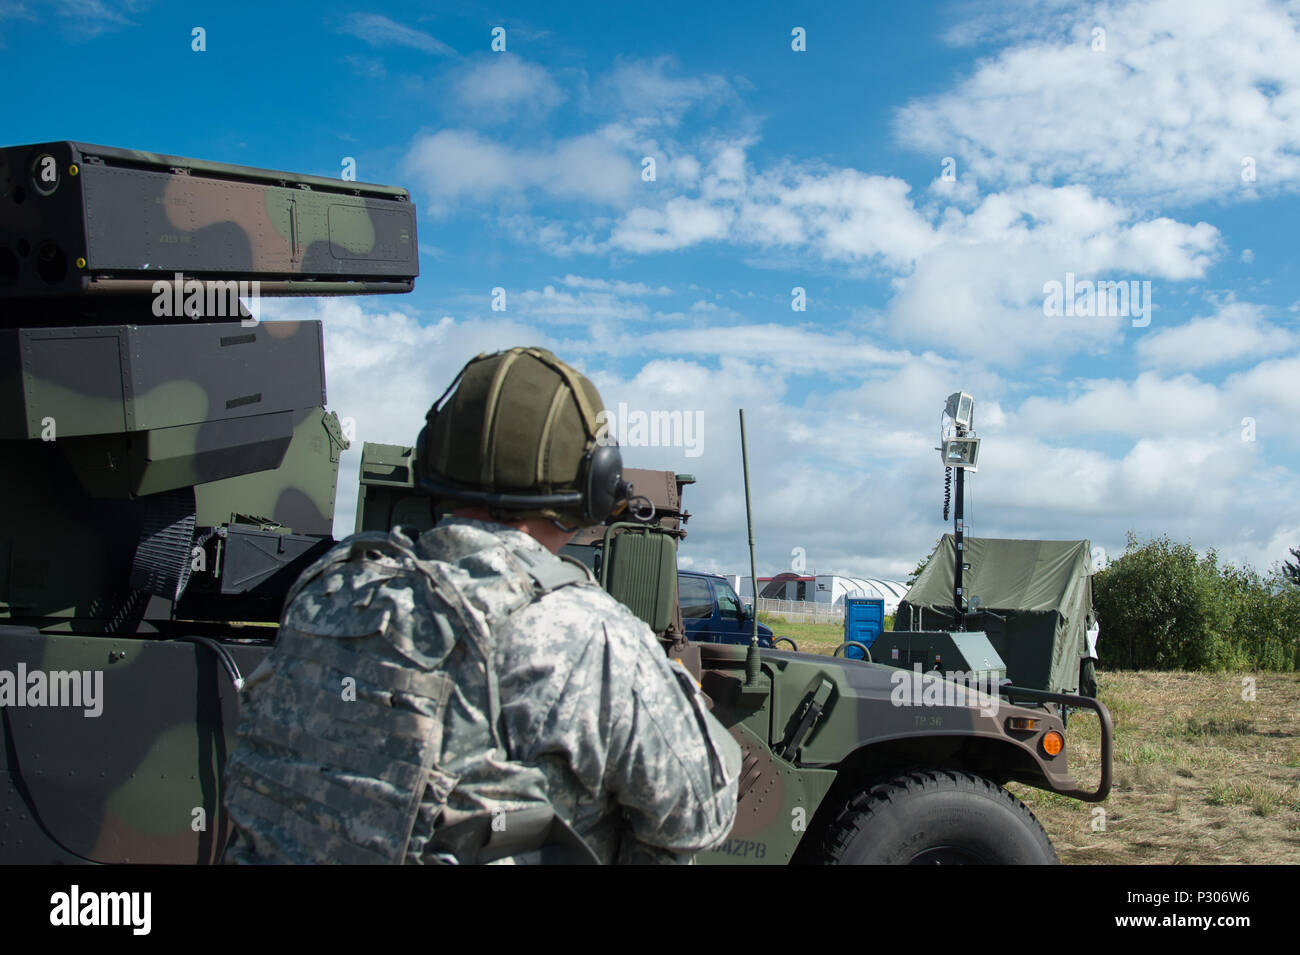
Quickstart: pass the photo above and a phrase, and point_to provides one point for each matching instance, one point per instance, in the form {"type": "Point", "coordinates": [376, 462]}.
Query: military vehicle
{"type": "Point", "coordinates": [168, 466]}
{"type": "Point", "coordinates": [845, 761]}
{"type": "Point", "coordinates": [171, 468]}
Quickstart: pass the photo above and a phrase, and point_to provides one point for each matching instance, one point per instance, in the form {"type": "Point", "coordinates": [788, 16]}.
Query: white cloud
{"type": "Point", "coordinates": [1149, 406]}
{"type": "Point", "coordinates": [81, 20]}
{"type": "Point", "coordinates": [844, 214]}
{"type": "Point", "coordinates": [585, 306]}
{"type": "Point", "coordinates": [979, 286]}
{"type": "Point", "coordinates": [792, 349]}
{"type": "Point", "coordinates": [454, 164]}
{"type": "Point", "coordinates": [502, 86]}
{"type": "Point", "coordinates": [554, 237]}
{"type": "Point", "coordinates": [1236, 332]}
{"type": "Point", "coordinates": [645, 88]}
{"type": "Point", "coordinates": [840, 214]}
{"type": "Point", "coordinates": [378, 30]}
{"type": "Point", "coordinates": [849, 472]}
{"type": "Point", "coordinates": [1184, 92]}
{"type": "Point", "coordinates": [616, 286]}
{"type": "Point", "coordinates": [1182, 408]}
{"type": "Point", "coordinates": [681, 222]}
{"type": "Point", "coordinates": [966, 274]}
{"type": "Point", "coordinates": [964, 279]}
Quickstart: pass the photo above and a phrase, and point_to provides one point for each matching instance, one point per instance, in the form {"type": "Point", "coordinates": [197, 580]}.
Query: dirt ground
{"type": "Point", "coordinates": [1201, 774]}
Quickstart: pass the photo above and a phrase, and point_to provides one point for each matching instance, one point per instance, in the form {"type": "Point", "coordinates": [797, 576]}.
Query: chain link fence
{"type": "Point", "coordinates": [802, 611]}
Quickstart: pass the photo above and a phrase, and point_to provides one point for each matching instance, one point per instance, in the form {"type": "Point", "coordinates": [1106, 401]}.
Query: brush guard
{"type": "Point", "coordinates": [1013, 693]}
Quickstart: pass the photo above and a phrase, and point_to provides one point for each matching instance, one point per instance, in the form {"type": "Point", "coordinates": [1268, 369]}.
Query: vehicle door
{"type": "Point", "coordinates": [727, 623]}
{"type": "Point", "coordinates": [696, 600]}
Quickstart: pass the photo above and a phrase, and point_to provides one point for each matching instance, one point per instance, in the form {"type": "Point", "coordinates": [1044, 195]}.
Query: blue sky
{"type": "Point", "coordinates": [1165, 149]}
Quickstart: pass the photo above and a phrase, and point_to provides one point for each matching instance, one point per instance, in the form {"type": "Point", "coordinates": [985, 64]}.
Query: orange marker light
{"type": "Point", "coordinates": [1053, 743]}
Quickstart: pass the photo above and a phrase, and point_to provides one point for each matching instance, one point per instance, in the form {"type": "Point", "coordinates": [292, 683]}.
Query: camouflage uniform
{"type": "Point", "coordinates": [594, 722]}
{"type": "Point", "coordinates": [632, 759]}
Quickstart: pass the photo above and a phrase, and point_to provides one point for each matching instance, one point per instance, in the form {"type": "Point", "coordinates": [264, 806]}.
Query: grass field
{"type": "Point", "coordinates": [1200, 775]}
{"type": "Point", "coordinates": [811, 637]}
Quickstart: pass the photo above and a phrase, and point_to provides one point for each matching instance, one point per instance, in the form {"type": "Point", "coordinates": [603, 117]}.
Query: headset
{"type": "Point", "coordinates": [603, 492]}
{"type": "Point", "coordinates": [600, 475]}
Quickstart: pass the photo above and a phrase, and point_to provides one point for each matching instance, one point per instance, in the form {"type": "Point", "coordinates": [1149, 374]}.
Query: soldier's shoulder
{"type": "Point", "coordinates": [583, 603]}
{"type": "Point", "coordinates": [578, 614]}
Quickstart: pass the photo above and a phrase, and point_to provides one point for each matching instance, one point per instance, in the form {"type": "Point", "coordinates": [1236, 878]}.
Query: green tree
{"type": "Point", "coordinates": [1161, 608]}
{"type": "Point", "coordinates": [1290, 571]}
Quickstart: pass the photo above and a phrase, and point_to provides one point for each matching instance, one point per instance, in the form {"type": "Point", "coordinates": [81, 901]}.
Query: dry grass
{"type": "Point", "coordinates": [1200, 775]}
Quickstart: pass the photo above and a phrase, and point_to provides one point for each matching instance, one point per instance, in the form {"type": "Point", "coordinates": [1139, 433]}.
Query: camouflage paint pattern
{"type": "Point", "coordinates": [862, 732]}
{"type": "Point", "coordinates": [106, 405]}
{"type": "Point", "coordinates": [77, 219]}
{"type": "Point", "coordinates": [140, 782]}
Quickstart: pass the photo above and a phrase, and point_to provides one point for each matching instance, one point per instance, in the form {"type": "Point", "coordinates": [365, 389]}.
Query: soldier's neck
{"type": "Point", "coordinates": [541, 530]}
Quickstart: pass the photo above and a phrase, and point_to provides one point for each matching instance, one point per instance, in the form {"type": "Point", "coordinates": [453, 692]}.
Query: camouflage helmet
{"type": "Point", "coordinates": [521, 435]}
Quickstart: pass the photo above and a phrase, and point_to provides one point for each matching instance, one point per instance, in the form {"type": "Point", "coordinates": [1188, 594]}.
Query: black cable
{"type": "Point", "coordinates": [226, 659]}
{"type": "Point", "coordinates": [947, 491]}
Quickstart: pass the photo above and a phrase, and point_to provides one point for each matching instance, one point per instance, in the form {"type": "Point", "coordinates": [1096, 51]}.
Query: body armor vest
{"type": "Point", "coordinates": [342, 754]}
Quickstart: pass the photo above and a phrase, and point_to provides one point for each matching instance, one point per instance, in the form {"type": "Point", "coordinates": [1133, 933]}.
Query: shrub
{"type": "Point", "coordinates": [1162, 607]}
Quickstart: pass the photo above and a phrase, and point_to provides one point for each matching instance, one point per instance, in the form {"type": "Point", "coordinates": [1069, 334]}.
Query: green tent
{"type": "Point", "coordinates": [1041, 589]}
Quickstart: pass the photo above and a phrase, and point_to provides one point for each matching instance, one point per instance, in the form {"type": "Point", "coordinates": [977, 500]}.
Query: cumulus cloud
{"type": "Point", "coordinates": [842, 415]}
{"type": "Point", "coordinates": [454, 164]}
{"type": "Point", "coordinates": [856, 451]}
{"type": "Point", "coordinates": [681, 222]}
{"type": "Point", "coordinates": [502, 86]}
{"type": "Point", "coordinates": [1149, 406]}
{"type": "Point", "coordinates": [964, 278]}
{"type": "Point", "coordinates": [968, 271]}
{"type": "Point", "coordinates": [1179, 99]}
{"type": "Point", "coordinates": [1238, 331]}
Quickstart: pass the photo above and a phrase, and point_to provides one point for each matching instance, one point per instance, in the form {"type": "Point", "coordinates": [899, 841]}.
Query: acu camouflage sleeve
{"type": "Point", "coordinates": [672, 765]}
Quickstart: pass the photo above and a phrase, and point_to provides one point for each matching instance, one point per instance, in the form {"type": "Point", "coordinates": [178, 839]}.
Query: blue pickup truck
{"type": "Point", "coordinates": [712, 613]}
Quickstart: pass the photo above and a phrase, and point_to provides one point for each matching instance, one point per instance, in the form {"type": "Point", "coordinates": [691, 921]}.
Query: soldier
{"type": "Point", "coordinates": [470, 695]}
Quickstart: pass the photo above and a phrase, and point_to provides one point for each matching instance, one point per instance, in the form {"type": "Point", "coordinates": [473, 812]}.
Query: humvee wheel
{"type": "Point", "coordinates": [937, 817]}
{"type": "Point", "coordinates": [793, 646]}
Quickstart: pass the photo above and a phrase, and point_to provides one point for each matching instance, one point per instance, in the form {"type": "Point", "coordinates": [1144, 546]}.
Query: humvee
{"type": "Point", "coordinates": [845, 761]}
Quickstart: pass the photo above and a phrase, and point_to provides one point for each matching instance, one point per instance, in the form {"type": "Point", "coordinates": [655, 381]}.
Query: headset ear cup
{"type": "Point", "coordinates": [604, 482]}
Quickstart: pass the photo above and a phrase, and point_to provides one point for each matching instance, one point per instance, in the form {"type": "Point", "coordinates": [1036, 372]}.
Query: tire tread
{"type": "Point", "coordinates": [859, 810]}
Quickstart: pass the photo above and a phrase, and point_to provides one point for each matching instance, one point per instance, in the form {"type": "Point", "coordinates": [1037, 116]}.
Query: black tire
{"type": "Point", "coordinates": [937, 817]}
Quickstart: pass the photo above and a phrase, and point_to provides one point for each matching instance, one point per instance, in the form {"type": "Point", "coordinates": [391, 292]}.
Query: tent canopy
{"type": "Point", "coordinates": [1042, 588]}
